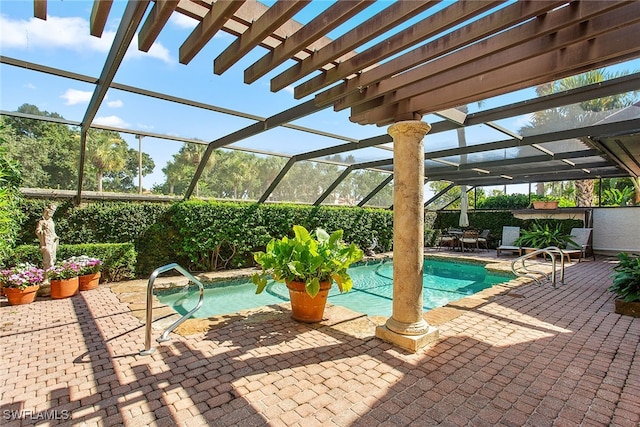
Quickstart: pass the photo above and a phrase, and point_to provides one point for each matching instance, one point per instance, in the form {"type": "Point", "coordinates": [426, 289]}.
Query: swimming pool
{"type": "Point", "coordinates": [372, 292]}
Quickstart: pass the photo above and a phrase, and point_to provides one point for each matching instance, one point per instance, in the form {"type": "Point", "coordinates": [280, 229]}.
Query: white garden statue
{"type": "Point", "coordinates": [46, 232]}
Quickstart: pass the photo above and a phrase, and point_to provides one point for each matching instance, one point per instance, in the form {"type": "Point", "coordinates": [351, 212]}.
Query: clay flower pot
{"type": "Point", "coordinates": [17, 296]}
{"type": "Point", "coordinates": [304, 308]}
{"type": "Point", "coordinates": [64, 288]}
{"type": "Point", "coordinates": [545, 204]}
{"type": "Point", "coordinates": [627, 308]}
{"type": "Point", "coordinates": [89, 281]}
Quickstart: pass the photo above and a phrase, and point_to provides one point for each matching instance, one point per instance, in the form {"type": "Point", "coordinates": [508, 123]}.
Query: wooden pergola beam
{"type": "Point", "coordinates": [156, 20]}
{"type": "Point", "coordinates": [476, 30]}
{"type": "Point", "coordinates": [99, 15]}
{"type": "Point", "coordinates": [40, 9]}
{"type": "Point", "coordinates": [428, 27]}
{"type": "Point", "coordinates": [378, 24]}
{"type": "Point", "coordinates": [221, 11]}
{"type": "Point", "coordinates": [271, 20]}
{"type": "Point", "coordinates": [557, 30]}
{"type": "Point", "coordinates": [332, 17]}
{"type": "Point", "coordinates": [597, 52]}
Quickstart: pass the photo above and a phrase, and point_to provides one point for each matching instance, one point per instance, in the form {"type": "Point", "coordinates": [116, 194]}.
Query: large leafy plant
{"type": "Point", "coordinates": [626, 279]}
{"type": "Point", "coordinates": [542, 236]}
{"type": "Point", "coordinates": [308, 260]}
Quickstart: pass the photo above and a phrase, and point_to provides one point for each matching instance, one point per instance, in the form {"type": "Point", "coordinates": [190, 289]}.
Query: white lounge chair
{"type": "Point", "coordinates": [508, 243]}
{"type": "Point", "coordinates": [582, 237]}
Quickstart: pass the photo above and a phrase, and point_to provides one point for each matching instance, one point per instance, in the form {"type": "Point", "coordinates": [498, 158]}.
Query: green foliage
{"type": "Point", "coordinates": [119, 259]}
{"type": "Point", "coordinates": [544, 235]}
{"type": "Point", "coordinates": [510, 201]}
{"type": "Point", "coordinates": [616, 197]}
{"type": "Point", "coordinates": [48, 153]}
{"type": "Point", "coordinates": [205, 236]}
{"type": "Point", "coordinates": [308, 260]}
{"type": "Point", "coordinates": [103, 222]}
{"type": "Point", "coordinates": [10, 215]}
{"type": "Point", "coordinates": [626, 279]}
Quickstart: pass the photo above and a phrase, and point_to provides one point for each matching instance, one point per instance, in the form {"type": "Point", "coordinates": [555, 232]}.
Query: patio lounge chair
{"type": "Point", "coordinates": [582, 237]}
{"type": "Point", "coordinates": [508, 243]}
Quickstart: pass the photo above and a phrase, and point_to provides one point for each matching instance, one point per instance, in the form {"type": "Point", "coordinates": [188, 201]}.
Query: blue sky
{"type": "Point", "coordinates": [63, 41]}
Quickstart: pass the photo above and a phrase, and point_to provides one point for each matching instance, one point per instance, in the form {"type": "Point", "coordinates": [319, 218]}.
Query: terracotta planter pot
{"type": "Point", "coordinates": [17, 296]}
{"type": "Point", "coordinates": [64, 288]}
{"type": "Point", "coordinates": [540, 204]}
{"type": "Point", "coordinates": [303, 307]}
{"type": "Point", "coordinates": [89, 281]}
{"type": "Point", "coordinates": [628, 308]}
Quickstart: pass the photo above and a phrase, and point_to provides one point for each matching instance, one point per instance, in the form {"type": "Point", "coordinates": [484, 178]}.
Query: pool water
{"type": "Point", "coordinates": [372, 292]}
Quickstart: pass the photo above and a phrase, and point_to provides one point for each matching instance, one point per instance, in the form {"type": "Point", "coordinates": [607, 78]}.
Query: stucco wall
{"type": "Point", "coordinates": [616, 230]}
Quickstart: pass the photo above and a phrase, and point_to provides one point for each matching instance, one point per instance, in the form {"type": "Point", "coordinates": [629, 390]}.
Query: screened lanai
{"type": "Point", "coordinates": [312, 86]}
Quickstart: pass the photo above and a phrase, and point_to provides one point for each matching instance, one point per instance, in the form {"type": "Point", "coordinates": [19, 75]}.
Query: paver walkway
{"type": "Point", "coordinates": [533, 356]}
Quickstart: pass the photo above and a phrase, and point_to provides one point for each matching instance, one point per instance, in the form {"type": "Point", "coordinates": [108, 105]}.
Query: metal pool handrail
{"type": "Point", "coordinates": [149, 318]}
{"type": "Point", "coordinates": [551, 251]}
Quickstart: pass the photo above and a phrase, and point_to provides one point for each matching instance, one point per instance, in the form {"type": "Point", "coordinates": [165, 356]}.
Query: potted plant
{"type": "Point", "coordinates": [90, 269]}
{"type": "Point", "coordinates": [64, 279]}
{"type": "Point", "coordinates": [21, 283]}
{"type": "Point", "coordinates": [308, 266]}
{"type": "Point", "coordinates": [542, 236]}
{"type": "Point", "coordinates": [626, 285]}
{"type": "Point", "coordinates": [545, 202]}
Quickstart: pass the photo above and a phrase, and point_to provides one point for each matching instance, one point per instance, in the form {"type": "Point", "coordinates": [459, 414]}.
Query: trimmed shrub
{"type": "Point", "coordinates": [207, 236]}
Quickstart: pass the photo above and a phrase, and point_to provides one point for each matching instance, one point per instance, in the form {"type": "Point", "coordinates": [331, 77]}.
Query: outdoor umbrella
{"type": "Point", "coordinates": [464, 206]}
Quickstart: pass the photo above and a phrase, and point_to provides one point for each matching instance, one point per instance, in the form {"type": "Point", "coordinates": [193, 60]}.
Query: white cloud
{"type": "Point", "coordinates": [74, 96]}
{"type": "Point", "coordinates": [156, 51]}
{"type": "Point", "coordinates": [289, 89]}
{"type": "Point", "coordinates": [71, 33]}
{"type": "Point", "coordinates": [30, 86]}
{"type": "Point", "coordinates": [115, 104]}
{"type": "Point", "coordinates": [114, 121]}
{"type": "Point", "coordinates": [183, 21]}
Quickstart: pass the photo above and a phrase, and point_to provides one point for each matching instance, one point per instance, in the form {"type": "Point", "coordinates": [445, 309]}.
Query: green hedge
{"type": "Point", "coordinates": [97, 222]}
{"type": "Point", "coordinates": [206, 236]}
{"type": "Point", "coordinates": [119, 258]}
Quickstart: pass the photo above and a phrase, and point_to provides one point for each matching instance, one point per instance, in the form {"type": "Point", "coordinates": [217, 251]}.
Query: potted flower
{"type": "Point", "coordinates": [89, 272]}
{"type": "Point", "coordinates": [308, 266]}
{"type": "Point", "coordinates": [21, 283]}
{"type": "Point", "coordinates": [626, 285]}
{"type": "Point", "coordinates": [64, 279]}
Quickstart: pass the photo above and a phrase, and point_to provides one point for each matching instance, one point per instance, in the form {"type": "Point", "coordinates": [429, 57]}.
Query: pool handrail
{"type": "Point", "coordinates": [149, 314]}
{"type": "Point", "coordinates": [549, 250]}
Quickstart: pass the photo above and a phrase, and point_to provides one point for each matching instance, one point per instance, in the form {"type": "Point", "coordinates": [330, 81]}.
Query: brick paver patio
{"type": "Point", "coordinates": [531, 356]}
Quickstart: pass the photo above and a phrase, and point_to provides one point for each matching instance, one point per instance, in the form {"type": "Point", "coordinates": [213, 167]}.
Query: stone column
{"type": "Point", "coordinates": [406, 327]}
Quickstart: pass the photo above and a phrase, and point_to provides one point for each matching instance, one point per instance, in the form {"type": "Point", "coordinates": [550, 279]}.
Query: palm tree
{"type": "Point", "coordinates": [582, 114]}
{"type": "Point", "coordinates": [106, 152]}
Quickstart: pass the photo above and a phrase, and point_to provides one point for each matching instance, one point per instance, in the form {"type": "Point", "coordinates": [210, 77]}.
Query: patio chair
{"type": "Point", "coordinates": [508, 243]}
{"type": "Point", "coordinates": [483, 239]}
{"type": "Point", "coordinates": [469, 239]}
{"type": "Point", "coordinates": [446, 240]}
{"type": "Point", "coordinates": [582, 237]}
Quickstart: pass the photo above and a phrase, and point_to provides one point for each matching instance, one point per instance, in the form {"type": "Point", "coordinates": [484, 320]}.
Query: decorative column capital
{"type": "Point", "coordinates": [411, 128]}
